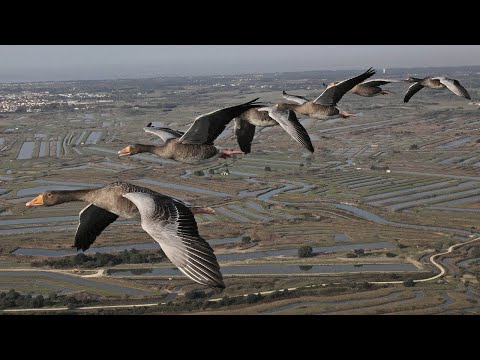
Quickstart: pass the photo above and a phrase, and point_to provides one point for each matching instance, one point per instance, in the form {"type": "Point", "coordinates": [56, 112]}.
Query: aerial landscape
{"type": "Point", "coordinates": [381, 218]}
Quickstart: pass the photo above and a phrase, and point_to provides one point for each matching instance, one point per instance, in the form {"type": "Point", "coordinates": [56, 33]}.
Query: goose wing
{"type": "Point", "coordinates": [244, 131]}
{"type": "Point", "coordinates": [379, 82]}
{"type": "Point", "coordinates": [206, 128]}
{"type": "Point", "coordinates": [171, 224]}
{"type": "Point", "coordinates": [93, 220]}
{"type": "Point", "coordinates": [332, 95]}
{"type": "Point", "coordinates": [454, 86]}
{"type": "Point", "coordinates": [289, 122]}
{"type": "Point", "coordinates": [412, 90]}
{"type": "Point", "coordinates": [164, 133]}
{"type": "Point", "coordinates": [295, 98]}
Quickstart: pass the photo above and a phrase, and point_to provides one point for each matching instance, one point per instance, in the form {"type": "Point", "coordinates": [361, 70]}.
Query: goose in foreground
{"type": "Point", "coordinates": [167, 220]}
{"type": "Point", "coordinates": [196, 144]}
{"type": "Point", "coordinates": [325, 105]}
{"type": "Point", "coordinates": [269, 116]}
{"type": "Point", "coordinates": [439, 82]}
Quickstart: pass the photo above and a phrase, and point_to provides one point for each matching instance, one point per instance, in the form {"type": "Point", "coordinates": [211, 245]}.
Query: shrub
{"type": "Point", "coordinates": [305, 251]}
{"type": "Point", "coordinates": [409, 283]}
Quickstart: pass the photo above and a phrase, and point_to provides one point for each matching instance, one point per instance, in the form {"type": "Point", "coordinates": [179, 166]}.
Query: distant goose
{"type": "Point", "coordinates": [372, 87]}
{"type": "Point", "coordinates": [269, 116]}
{"type": "Point", "coordinates": [325, 105]}
{"type": "Point", "coordinates": [439, 82]}
{"type": "Point", "coordinates": [167, 220]}
{"type": "Point", "coordinates": [196, 144]}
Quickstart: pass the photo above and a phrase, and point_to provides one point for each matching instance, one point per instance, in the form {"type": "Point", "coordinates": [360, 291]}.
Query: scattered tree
{"type": "Point", "coordinates": [359, 252]}
{"type": "Point", "coordinates": [305, 251]}
{"type": "Point", "coordinates": [246, 239]}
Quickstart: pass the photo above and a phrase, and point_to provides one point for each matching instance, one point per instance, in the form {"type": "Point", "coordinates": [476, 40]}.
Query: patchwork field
{"type": "Point", "coordinates": [383, 192]}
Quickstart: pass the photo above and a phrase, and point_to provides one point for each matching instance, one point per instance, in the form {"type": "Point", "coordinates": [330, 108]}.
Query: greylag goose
{"type": "Point", "coordinates": [269, 116]}
{"type": "Point", "coordinates": [371, 88]}
{"type": "Point", "coordinates": [196, 144]}
{"type": "Point", "coordinates": [325, 105]}
{"type": "Point", "coordinates": [439, 82]}
{"type": "Point", "coordinates": [167, 220]}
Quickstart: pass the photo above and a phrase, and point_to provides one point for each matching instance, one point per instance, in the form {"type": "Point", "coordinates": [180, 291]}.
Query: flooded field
{"type": "Point", "coordinates": [382, 193]}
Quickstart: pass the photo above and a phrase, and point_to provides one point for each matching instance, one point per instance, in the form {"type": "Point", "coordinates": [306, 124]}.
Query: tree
{"type": "Point", "coordinates": [38, 301]}
{"type": "Point", "coordinates": [414, 147]}
{"type": "Point", "coordinates": [246, 239]}
{"type": "Point", "coordinates": [359, 252]}
{"type": "Point", "coordinates": [195, 294]}
{"type": "Point", "coordinates": [267, 168]}
{"type": "Point", "coordinates": [305, 251]}
{"type": "Point", "coordinates": [253, 298]}
{"type": "Point", "coordinates": [409, 283]}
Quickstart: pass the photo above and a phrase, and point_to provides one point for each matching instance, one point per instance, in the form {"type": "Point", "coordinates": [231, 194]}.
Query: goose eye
{"type": "Point", "coordinates": [49, 195]}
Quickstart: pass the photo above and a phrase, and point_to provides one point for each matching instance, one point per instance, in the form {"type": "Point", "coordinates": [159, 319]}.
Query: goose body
{"type": "Point", "coordinates": [324, 106]}
{"type": "Point", "coordinates": [371, 88]}
{"type": "Point", "coordinates": [438, 83]}
{"type": "Point", "coordinates": [246, 123]}
{"type": "Point", "coordinates": [196, 144]}
{"type": "Point", "coordinates": [167, 220]}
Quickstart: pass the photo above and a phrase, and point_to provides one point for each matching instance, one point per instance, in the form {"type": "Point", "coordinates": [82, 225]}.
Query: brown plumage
{"type": "Point", "coordinates": [246, 123]}
{"type": "Point", "coordinates": [325, 105]}
{"type": "Point", "coordinates": [167, 220]}
{"type": "Point", "coordinates": [196, 144]}
{"type": "Point", "coordinates": [439, 82]}
{"type": "Point", "coordinates": [371, 88]}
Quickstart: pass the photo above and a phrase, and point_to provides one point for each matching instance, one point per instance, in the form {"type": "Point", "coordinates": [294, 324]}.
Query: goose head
{"type": "Point", "coordinates": [131, 150]}
{"type": "Point", "coordinates": [48, 198]}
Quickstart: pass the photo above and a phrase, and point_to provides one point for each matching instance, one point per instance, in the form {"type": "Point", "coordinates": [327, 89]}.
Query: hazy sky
{"type": "Point", "coordinates": [75, 62]}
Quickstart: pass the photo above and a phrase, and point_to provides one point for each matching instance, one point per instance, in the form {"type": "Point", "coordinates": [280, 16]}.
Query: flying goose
{"type": "Point", "coordinates": [439, 82]}
{"type": "Point", "coordinates": [269, 116]}
{"type": "Point", "coordinates": [196, 144]}
{"type": "Point", "coordinates": [325, 105]}
{"type": "Point", "coordinates": [371, 88]}
{"type": "Point", "coordinates": [167, 220]}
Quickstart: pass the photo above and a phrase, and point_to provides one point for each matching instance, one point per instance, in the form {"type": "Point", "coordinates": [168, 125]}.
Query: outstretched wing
{"type": "Point", "coordinates": [379, 82]}
{"type": "Point", "coordinates": [93, 220]}
{"type": "Point", "coordinates": [295, 98]}
{"type": "Point", "coordinates": [289, 122]}
{"type": "Point", "coordinates": [412, 90]}
{"type": "Point", "coordinates": [244, 131]}
{"type": "Point", "coordinates": [173, 226]}
{"type": "Point", "coordinates": [454, 86]}
{"type": "Point", "coordinates": [332, 95]}
{"type": "Point", "coordinates": [206, 128]}
{"type": "Point", "coordinates": [164, 133]}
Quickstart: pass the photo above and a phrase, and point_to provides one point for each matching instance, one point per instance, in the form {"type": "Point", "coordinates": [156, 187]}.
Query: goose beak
{"type": "Point", "coordinates": [36, 202]}
{"type": "Point", "coordinates": [124, 151]}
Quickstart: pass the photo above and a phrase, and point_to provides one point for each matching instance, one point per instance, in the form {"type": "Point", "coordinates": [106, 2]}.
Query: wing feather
{"type": "Point", "coordinates": [171, 224]}
{"type": "Point", "coordinates": [332, 95]}
{"type": "Point", "coordinates": [206, 128]}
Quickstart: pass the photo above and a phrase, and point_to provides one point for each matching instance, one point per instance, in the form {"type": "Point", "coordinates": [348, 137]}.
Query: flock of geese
{"type": "Point", "coordinates": [171, 222]}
